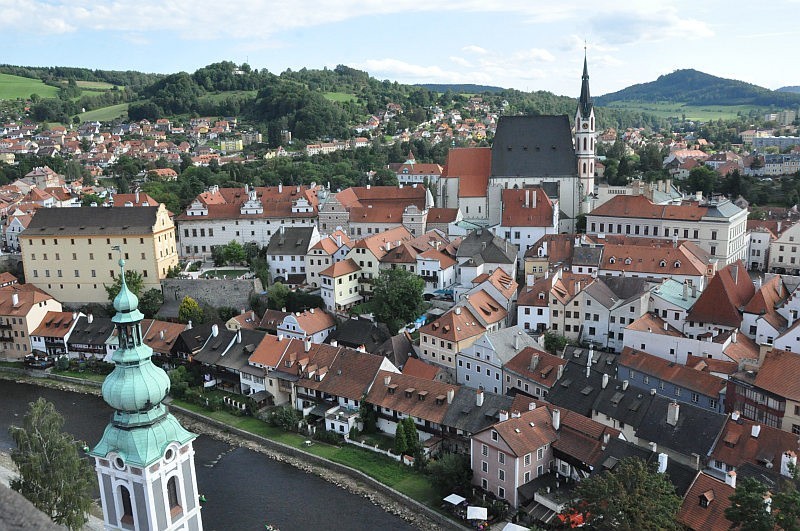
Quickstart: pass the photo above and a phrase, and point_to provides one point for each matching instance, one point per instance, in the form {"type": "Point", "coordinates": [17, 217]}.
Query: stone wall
{"type": "Point", "coordinates": [216, 293]}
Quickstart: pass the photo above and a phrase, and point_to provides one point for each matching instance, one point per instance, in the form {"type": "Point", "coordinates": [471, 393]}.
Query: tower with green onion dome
{"type": "Point", "coordinates": [145, 459]}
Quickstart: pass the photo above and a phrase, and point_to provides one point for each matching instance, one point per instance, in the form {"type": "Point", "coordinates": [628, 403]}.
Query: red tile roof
{"type": "Point", "coordinates": [639, 206]}
{"type": "Point", "coordinates": [417, 397]}
{"type": "Point", "coordinates": [54, 324]}
{"type": "Point", "coordinates": [737, 446]}
{"type": "Point", "coordinates": [419, 369]}
{"type": "Point", "coordinates": [472, 167]}
{"type": "Point", "coordinates": [680, 375]}
{"type": "Point", "coordinates": [528, 207]}
{"type": "Point", "coordinates": [727, 293]}
{"type": "Point", "coordinates": [715, 495]}
{"type": "Point", "coordinates": [545, 371]}
{"type": "Point", "coordinates": [779, 374]}
{"type": "Point", "coordinates": [528, 432]}
{"type": "Point", "coordinates": [343, 267]}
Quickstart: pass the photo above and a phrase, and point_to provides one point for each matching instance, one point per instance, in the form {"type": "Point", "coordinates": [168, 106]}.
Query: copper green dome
{"type": "Point", "coordinates": [126, 303]}
{"type": "Point", "coordinates": [138, 387]}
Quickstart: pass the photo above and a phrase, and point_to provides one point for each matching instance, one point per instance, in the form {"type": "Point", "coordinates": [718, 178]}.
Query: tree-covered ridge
{"type": "Point", "coordinates": [697, 88]}
{"type": "Point", "coordinates": [791, 88]}
{"type": "Point", "coordinates": [58, 74]}
{"type": "Point", "coordinates": [462, 88]}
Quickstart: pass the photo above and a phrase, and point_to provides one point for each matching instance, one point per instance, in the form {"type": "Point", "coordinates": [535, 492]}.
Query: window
{"type": "Point", "coordinates": [501, 458]}
{"type": "Point", "coordinates": [127, 506]}
{"type": "Point", "coordinates": [494, 435]}
{"type": "Point", "coordinates": [484, 466]}
{"type": "Point", "coordinates": [540, 454]}
{"type": "Point", "coordinates": [484, 450]}
{"type": "Point", "coordinates": [695, 398]}
{"type": "Point", "coordinates": [501, 493]}
{"type": "Point", "coordinates": [501, 474]}
{"type": "Point", "coordinates": [527, 459]}
{"type": "Point", "coordinates": [172, 496]}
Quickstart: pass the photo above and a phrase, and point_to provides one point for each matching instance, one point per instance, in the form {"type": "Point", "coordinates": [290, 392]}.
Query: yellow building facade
{"type": "Point", "coordinates": [70, 252]}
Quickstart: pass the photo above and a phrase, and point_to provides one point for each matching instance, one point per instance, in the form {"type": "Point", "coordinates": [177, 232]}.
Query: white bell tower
{"type": "Point", "coordinates": [585, 141]}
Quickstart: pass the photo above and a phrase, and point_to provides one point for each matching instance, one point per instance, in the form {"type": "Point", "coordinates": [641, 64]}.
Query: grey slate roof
{"type": "Point", "coordinates": [587, 256]}
{"type": "Point", "coordinates": [483, 246]}
{"type": "Point", "coordinates": [237, 356]}
{"type": "Point", "coordinates": [613, 291]}
{"type": "Point", "coordinates": [465, 414]}
{"type": "Point", "coordinates": [602, 362]}
{"type": "Point", "coordinates": [680, 475]}
{"type": "Point", "coordinates": [95, 333]}
{"type": "Point", "coordinates": [533, 146]}
{"type": "Point", "coordinates": [503, 341]}
{"type": "Point", "coordinates": [290, 241]}
{"type": "Point", "coordinates": [398, 349]}
{"type": "Point", "coordinates": [96, 221]}
{"type": "Point", "coordinates": [575, 391]}
{"type": "Point", "coordinates": [695, 432]}
{"type": "Point", "coordinates": [625, 405]}
{"type": "Point", "coordinates": [212, 351]}
{"type": "Point", "coordinates": [356, 332]}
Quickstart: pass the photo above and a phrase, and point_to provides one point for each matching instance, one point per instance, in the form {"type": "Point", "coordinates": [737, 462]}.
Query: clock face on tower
{"type": "Point", "coordinates": [586, 126]}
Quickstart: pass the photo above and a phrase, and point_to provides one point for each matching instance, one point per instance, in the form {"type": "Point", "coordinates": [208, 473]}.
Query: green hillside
{"type": "Point", "coordinates": [693, 88]}
{"type": "Point", "coordinates": [16, 87]}
{"type": "Point", "coordinates": [105, 114]}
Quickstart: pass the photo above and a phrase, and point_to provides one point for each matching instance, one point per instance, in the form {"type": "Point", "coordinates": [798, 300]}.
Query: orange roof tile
{"type": "Point", "coordinates": [472, 167]}
{"type": "Point", "coordinates": [639, 206]}
{"type": "Point", "coordinates": [54, 324]}
{"type": "Point", "coordinates": [403, 394]}
{"type": "Point", "coordinates": [545, 370]}
{"type": "Point", "coordinates": [779, 374]}
{"type": "Point", "coordinates": [655, 325]}
{"type": "Point", "coordinates": [338, 269]}
{"type": "Point", "coordinates": [724, 297]}
{"type": "Point", "coordinates": [528, 207]}
{"type": "Point", "coordinates": [737, 446]}
{"type": "Point", "coordinates": [710, 514]}
{"type": "Point", "coordinates": [419, 369]}
{"type": "Point", "coordinates": [270, 350]}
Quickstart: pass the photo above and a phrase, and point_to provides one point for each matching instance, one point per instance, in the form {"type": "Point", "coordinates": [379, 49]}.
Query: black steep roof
{"type": "Point", "coordinates": [533, 146]}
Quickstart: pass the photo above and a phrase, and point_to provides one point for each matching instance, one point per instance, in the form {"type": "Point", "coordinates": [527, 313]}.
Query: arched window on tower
{"type": "Point", "coordinates": [584, 144]}
{"type": "Point", "coordinates": [584, 168]}
{"type": "Point", "coordinates": [591, 121]}
{"type": "Point", "coordinates": [173, 498]}
{"type": "Point", "coordinates": [127, 506]}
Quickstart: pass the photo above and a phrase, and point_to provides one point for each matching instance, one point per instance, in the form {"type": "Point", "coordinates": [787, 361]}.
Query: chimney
{"type": "Point", "coordinates": [735, 273]}
{"type": "Point", "coordinates": [531, 405]}
{"type": "Point", "coordinates": [338, 240]}
{"type": "Point", "coordinates": [755, 431]}
{"type": "Point", "coordinates": [479, 398]}
{"type": "Point", "coordinates": [90, 318]}
{"type": "Point", "coordinates": [605, 381]}
{"type": "Point", "coordinates": [239, 336]}
{"type": "Point", "coordinates": [306, 344]}
{"type": "Point", "coordinates": [252, 316]}
{"type": "Point", "coordinates": [735, 416]}
{"type": "Point", "coordinates": [663, 459]}
{"type": "Point", "coordinates": [137, 196]}
{"type": "Point", "coordinates": [788, 463]}
{"type": "Point", "coordinates": [606, 438]}
{"type": "Point", "coordinates": [334, 343]}
{"type": "Point", "coordinates": [189, 325]}
{"type": "Point", "coordinates": [534, 362]}
{"type": "Point", "coordinates": [685, 290]}
{"type": "Point", "coordinates": [666, 326]}
{"type": "Point", "coordinates": [653, 447]}
{"type": "Point", "coordinates": [74, 316]}
{"type": "Point", "coordinates": [527, 198]}
{"type": "Point", "coordinates": [214, 330]}
{"type": "Point", "coordinates": [458, 310]}
{"type": "Point", "coordinates": [560, 372]}
{"type": "Point", "coordinates": [15, 299]}
{"type": "Point", "coordinates": [161, 335]}
{"type": "Point", "coordinates": [734, 335]}
{"type": "Point", "coordinates": [556, 419]}
{"type": "Point", "coordinates": [533, 198]}
{"type": "Point", "coordinates": [694, 291]}
{"type": "Point", "coordinates": [624, 385]}
{"type": "Point", "coordinates": [280, 188]}
{"type": "Point", "coordinates": [515, 414]}
{"type": "Point", "coordinates": [730, 479]}
{"type": "Point", "coordinates": [450, 394]}
{"type": "Point", "coordinates": [516, 341]}
{"type": "Point", "coordinates": [387, 380]}
{"type": "Point", "coordinates": [311, 310]}
{"type": "Point", "coordinates": [672, 413]}
{"type": "Point", "coordinates": [503, 415]}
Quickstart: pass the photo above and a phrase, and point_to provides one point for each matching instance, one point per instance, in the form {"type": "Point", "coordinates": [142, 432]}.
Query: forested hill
{"type": "Point", "coordinates": [792, 88]}
{"type": "Point", "coordinates": [691, 87]}
{"type": "Point", "coordinates": [462, 88]}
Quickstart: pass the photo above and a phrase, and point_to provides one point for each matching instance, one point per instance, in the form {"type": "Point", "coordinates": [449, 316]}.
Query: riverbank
{"type": "Point", "coordinates": [342, 476]}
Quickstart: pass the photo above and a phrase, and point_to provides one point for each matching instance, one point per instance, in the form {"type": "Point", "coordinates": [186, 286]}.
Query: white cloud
{"type": "Point", "coordinates": [460, 61]}
{"type": "Point", "coordinates": [474, 49]}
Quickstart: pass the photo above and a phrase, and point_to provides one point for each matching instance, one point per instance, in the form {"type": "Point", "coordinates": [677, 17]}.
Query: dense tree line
{"type": "Point", "coordinates": [55, 75]}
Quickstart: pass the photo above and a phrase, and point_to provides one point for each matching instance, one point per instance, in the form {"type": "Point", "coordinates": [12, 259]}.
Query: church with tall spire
{"type": "Point", "coordinates": [145, 458]}
{"type": "Point", "coordinates": [585, 139]}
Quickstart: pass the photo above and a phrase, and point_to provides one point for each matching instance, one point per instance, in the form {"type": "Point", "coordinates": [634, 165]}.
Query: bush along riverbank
{"type": "Point", "coordinates": [396, 488]}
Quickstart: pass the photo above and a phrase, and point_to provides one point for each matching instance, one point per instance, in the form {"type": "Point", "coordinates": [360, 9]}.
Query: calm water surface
{"type": "Point", "coordinates": [244, 489]}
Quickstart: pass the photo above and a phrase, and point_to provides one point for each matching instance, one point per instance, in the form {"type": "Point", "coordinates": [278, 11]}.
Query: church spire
{"type": "Point", "coordinates": [585, 101]}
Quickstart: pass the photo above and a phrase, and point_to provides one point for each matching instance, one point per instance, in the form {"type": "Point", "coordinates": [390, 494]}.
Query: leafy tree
{"type": "Point", "coordinates": [88, 199]}
{"type": "Point", "coordinates": [189, 310]}
{"type": "Point", "coordinates": [631, 497]}
{"type": "Point", "coordinates": [133, 279]}
{"type": "Point", "coordinates": [150, 302]}
{"type": "Point", "coordinates": [285, 417]}
{"type": "Point", "coordinates": [702, 179]}
{"type": "Point", "coordinates": [748, 510]}
{"type": "Point", "coordinates": [400, 446]}
{"type": "Point", "coordinates": [52, 476]}
{"type": "Point", "coordinates": [397, 297]}
{"type": "Point", "coordinates": [450, 473]}
{"type": "Point", "coordinates": [554, 343]}
{"type": "Point", "coordinates": [234, 253]}
{"type": "Point", "coordinates": [278, 294]}
{"type": "Point", "coordinates": [226, 313]}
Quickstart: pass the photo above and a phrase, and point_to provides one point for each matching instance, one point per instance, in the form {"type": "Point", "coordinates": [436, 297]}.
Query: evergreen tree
{"type": "Point", "coordinates": [412, 437]}
{"type": "Point", "coordinates": [400, 446]}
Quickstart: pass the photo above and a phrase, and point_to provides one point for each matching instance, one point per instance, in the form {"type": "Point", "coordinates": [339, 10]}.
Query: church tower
{"type": "Point", "coordinates": [145, 459]}
{"type": "Point", "coordinates": [585, 141]}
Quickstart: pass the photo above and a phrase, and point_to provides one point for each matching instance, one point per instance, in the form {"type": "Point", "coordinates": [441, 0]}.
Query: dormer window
{"type": "Point", "coordinates": [677, 263]}
{"type": "Point", "coordinates": [628, 261]}
{"type": "Point", "coordinates": [662, 263]}
{"type": "Point", "coordinates": [612, 260]}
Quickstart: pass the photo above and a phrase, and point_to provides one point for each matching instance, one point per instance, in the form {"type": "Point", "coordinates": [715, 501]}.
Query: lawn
{"type": "Point", "coordinates": [340, 96]}
{"type": "Point", "coordinates": [391, 473]}
{"type": "Point", "coordinates": [14, 87]}
{"type": "Point", "coordinates": [94, 85]}
{"type": "Point", "coordinates": [225, 273]}
{"type": "Point", "coordinates": [105, 114]}
{"type": "Point", "coordinates": [86, 375]}
{"type": "Point", "coordinates": [14, 364]}
{"type": "Point", "coordinates": [702, 113]}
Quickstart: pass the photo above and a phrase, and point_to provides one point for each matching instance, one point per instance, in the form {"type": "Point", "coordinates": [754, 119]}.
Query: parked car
{"type": "Point", "coordinates": [39, 361]}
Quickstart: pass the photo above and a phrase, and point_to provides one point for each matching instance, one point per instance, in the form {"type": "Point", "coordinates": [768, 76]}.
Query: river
{"type": "Point", "coordinates": [244, 489]}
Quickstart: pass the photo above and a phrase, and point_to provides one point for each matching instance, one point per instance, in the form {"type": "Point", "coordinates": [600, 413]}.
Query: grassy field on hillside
{"type": "Point", "coordinates": [340, 96]}
{"type": "Point", "coordinates": [94, 85]}
{"type": "Point", "coordinates": [14, 87]}
{"type": "Point", "coordinates": [702, 113]}
{"type": "Point", "coordinates": [105, 114]}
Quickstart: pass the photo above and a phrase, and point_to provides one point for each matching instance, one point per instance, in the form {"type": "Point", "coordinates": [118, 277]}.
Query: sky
{"type": "Point", "coordinates": [523, 44]}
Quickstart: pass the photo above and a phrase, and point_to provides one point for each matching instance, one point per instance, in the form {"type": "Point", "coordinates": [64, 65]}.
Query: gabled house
{"type": "Point", "coordinates": [671, 300]}
{"type": "Point", "coordinates": [91, 338]}
{"type": "Point", "coordinates": [471, 412]}
{"type": "Point", "coordinates": [610, 303]}
{"type": "Point", "coordinates": [480, 365]}
{"type": "Point", "coordinates": [339, 286]}
{"type": "Point", "coordinates": [722, 302]}
{"type": "Point", "coordinates": [703, 506]}
{"type": "Point", "coordinates": [533, 306]}
{"type": "Point", "coordinates": [528, 215]}
{"type": "Point", "coordinates": [481, 251]}
{"type": "Point", "coordinates": [359, 334]}
{"type": "Point", "coordinates": [328, 250]}
{"type": "Point", "coordinates": [314, 324]}
{"type": "Point", "coordinates": [369, 251]}
{"type": "Point", "coordinates": [53, 332]}
{"type": "Point", "coordinates": [532, 372]}
{"type": "Point", "coordinates": [762, 318]}
{"type": "Point", "coordinates": [566, 309]}
{"type": "Point", "coordinates": [286, 253]}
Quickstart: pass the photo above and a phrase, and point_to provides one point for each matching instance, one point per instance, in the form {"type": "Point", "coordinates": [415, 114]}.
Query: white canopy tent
{"type": "Point", "coordinates": [455, 499]}
{"type": "Point", "coordinates": [477, 513]}
{"type": "Point", "coordinates": [514, 527]}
